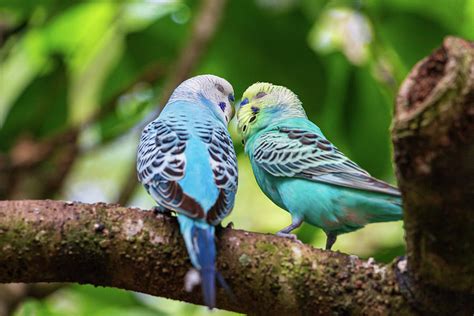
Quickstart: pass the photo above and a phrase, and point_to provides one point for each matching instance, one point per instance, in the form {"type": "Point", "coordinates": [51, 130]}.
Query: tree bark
{"type": "Point", "coordinates": [109, 245]}
{"type": "Point", "coordinates": [433, 135]}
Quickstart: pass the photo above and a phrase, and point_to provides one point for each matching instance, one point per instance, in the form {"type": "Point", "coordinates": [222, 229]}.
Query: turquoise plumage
{"type": "Point", "coordinates": [186, 162]}
{"type": "Point", "coordinates": [303, 173]}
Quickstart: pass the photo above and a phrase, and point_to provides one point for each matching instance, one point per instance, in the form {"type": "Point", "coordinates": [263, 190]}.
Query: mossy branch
{"type": "Point", "coordinates": [109, 245]}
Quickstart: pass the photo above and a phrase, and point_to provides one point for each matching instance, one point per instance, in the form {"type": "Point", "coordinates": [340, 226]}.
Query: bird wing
{"type": "Point", "coordinates": [161, 162]}
{"type": "Point", "coordinates": [302, 153]}
{"type": "Point", "coordinates": [224, 167]}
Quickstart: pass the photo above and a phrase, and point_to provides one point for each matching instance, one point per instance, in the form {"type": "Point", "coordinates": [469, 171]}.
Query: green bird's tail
{"type": "Point", "coordinates": [384, 208]}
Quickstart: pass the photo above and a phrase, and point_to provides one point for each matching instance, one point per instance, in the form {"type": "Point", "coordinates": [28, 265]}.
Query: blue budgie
{"type": "Point", "coordinates": [186, 162]}
{"type": "Point", "coordinates": [303, 173]}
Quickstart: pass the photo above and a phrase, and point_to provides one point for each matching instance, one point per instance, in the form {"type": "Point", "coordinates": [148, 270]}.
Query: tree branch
{"type": "Point", "coordinates": [108, 245]}
{"type": "Point", "coordinates": [433, 134]}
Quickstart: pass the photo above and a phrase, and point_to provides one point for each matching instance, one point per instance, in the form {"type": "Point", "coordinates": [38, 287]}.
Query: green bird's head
{"type": "Point", "coordinates": [264, 104]}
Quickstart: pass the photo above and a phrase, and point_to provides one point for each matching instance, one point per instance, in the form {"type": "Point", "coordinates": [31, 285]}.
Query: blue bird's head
{"type": "Point", "coordinates": [212, 91]}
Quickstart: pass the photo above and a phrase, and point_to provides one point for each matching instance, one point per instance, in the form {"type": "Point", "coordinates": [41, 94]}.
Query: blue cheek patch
{"type": "Point", "coordinates": [231, 97]}
{"type": "Point", "coordinates": [222, 105]}
{"type": "Point", "coordinates": [244, 102]}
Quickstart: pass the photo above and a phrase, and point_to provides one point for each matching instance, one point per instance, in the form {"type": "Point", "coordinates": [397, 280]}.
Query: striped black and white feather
{"type": "Point", "coordinates": [161, 163]}
{"type": "Point", "coordinates": [296, 152]}
{"type": "Point", "coordinates": [224, 167]}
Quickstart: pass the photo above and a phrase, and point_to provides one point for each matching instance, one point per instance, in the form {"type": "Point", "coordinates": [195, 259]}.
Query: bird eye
{"type": "Point", "coordinates": [220, 87]}
{"type": "Point", "coordinates": [222, 105]}
{"type": "Point", "coordinates": [261, 94]}
{"type": "Point", "coordinates": [231, 97]}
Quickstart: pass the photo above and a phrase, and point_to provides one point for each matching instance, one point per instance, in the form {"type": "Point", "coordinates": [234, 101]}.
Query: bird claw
{"type": "Point", "coordinates": [289, 236]}
{"type": "Point", "coordinates": [157, 209]}
{"type": "Point", "coordinates": [220, 228]}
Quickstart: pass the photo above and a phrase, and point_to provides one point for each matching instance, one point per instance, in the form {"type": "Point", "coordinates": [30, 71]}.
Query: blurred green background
{"type": "Point", "coordinates": [79, 78]}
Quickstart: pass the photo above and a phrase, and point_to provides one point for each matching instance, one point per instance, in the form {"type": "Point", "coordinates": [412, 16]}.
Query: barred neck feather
{"type": "Point", "coordinates": [264, 104]}
{"type": "Point", "coordinates": [283, 111]}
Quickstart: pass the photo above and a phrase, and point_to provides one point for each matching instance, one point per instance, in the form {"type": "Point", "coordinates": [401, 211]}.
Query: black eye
{"type": "Point", "coordinates": [222, 105]}
{"type": "Point", "coordinates": [220, 87]}
{"type": "Point", "coordinates": [261, 94]}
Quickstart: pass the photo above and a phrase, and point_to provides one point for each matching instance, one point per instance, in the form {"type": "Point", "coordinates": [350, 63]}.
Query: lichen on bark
{"type": "Point", "coordinates": [109, 245]}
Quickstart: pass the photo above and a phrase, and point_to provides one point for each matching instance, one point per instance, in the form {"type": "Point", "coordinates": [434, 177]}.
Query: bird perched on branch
{"type": "Point", "coordinates": [303, 173]}
{"type": "Point", "coordinates": [186, 162]}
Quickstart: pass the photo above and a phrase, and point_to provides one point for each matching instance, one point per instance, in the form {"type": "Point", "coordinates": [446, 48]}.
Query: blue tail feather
{"type": "Point", "coordinates": [205, 247]}
{"type": "Point", "coordinates": [201, 246]}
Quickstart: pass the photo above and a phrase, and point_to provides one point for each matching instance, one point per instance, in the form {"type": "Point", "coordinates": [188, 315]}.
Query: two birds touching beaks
{"type": "Point", "coordinates": [187, 163]}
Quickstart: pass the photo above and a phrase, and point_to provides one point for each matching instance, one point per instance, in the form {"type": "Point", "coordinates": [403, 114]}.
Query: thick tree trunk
{"type": "Point", "coordinates": [433, 135]}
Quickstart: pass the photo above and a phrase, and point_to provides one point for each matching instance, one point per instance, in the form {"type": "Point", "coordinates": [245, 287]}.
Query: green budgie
{"type": "Point", "coordinates": [303, 173]}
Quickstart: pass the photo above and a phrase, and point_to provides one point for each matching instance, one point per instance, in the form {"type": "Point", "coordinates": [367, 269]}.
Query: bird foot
{"type": "Point", "coordinates": [331, 239]}
{"type": "Point", "coordinates": [220, 228]}
{"type": "Point", "coordinates": [157, 209]}
{"type": "Point", "coordinates": [289, 236]}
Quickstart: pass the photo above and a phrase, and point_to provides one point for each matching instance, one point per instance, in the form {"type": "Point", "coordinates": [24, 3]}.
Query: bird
{"type": "Point", "coordinates": [302, 172]}
{"type": "Point", "coordinates": [187, 163]}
